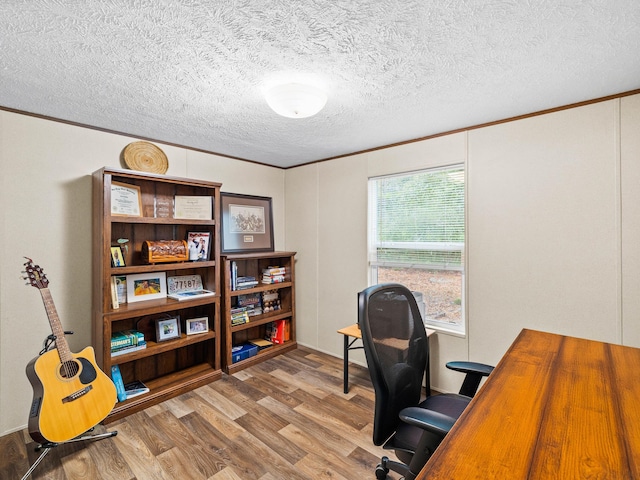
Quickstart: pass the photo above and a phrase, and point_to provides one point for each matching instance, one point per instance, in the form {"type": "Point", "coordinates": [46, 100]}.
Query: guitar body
{"type": "Point", "coordinates": [69, 398]}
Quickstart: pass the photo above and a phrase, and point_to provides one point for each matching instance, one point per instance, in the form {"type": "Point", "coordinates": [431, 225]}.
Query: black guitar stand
{"type": "Point", "coordinates": [47, 446]}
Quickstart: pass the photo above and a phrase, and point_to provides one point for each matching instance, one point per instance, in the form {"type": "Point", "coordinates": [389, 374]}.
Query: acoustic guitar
{"type": "Point", "coordinates": [71, 394]}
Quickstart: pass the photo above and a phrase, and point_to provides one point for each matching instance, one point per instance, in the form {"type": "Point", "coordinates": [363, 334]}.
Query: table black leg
{"type": "Point", "coordinates": [346, 363]}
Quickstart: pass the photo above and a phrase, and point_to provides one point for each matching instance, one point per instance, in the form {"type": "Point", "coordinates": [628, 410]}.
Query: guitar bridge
{"type": "Point", "coordinates": [77, 395]}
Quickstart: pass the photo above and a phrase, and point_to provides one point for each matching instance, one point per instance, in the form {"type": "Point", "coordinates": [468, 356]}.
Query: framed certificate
{"type": "Point", "coordinates": [125, 200]}
{"type": "Point", "coordinates": [193, 207]}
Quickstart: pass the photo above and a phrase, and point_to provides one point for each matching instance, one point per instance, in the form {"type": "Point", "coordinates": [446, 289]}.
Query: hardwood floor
{"type": "Point", "coordinates": [286, 418]}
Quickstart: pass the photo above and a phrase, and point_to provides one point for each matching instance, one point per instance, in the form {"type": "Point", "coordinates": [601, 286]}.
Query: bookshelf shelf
{"type": "Point", "coordinates": [174, 366]}
{"type": "Point", "coordinates": [258, 325]}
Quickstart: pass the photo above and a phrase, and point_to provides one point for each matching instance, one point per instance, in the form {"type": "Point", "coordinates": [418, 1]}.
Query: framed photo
{"type": "Point", "coordinates": [199, 245]}
{"type": "Point", "coordinates": [197, 325]}
{"type": "Point", "coordinates": [247, 223]}
{"type": "Point", "coordinates": [167, 328]}
{"type": "Point", "coordinates": [125, 200]}
{"type": "Point", "coordinates": [146, 286]}
{"type": "Point", "coordinates": [117, 259]}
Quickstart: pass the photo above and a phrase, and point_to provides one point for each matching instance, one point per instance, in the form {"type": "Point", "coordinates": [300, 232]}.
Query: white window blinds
{"type": "Point", "coordinates": [417, 219]}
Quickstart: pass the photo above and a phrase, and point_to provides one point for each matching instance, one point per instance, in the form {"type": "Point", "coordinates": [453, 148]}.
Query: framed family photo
{"type": "Point", "coordinates": [146, 286]}
{"type": "Point", "coordinates": [117, 259]}
{"type": "Point", "coordinates": [167, 328]}
{"type": "Point", "coordinates": [197, 325]}
{"type": "Point", "coordinates": [199, 246]}
{"type": "Point", "coordinates": [247, 223]}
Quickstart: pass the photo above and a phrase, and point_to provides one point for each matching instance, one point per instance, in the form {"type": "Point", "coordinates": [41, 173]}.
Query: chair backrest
{"type": "Point", "coordinates": [396, 347]}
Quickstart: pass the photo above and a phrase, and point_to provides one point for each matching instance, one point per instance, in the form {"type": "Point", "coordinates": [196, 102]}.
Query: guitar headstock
{"type": "Point", "coordinates": [35, 276]}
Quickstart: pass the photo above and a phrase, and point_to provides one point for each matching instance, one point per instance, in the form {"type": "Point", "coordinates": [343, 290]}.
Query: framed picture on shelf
{"type": "Point", "coordinates": [125, 200]}
{"type": "Point", "coordinates": [199, 245]}
{"type": "Point", "coordinates": [247, 223]}
{"type": "Point", "coordinates": [167, 328]}
{"type": "Point", "coordinates": [197, 325]}
{"type": "Point", "coordinates": [146, 286]}
{"type": "Point", "coordinates": [117, 259]}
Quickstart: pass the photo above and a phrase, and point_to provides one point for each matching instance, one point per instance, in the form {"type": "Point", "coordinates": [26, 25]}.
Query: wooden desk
{"type": "Point", "coordinates": [354, 331]}
{"type": "Point", "coordinates": [555, 407]}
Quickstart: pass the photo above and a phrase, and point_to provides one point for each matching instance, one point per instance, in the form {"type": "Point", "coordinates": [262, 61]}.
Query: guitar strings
{"type": "Point", "coordinates": [69, 368]}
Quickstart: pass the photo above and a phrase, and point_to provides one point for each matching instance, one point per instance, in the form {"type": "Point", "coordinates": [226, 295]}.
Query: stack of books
{"type": "Point", "coordinates": [252, 302]}
{"type": "Point", "coordinates": [270, 301]}
{"type": "Point", "coordinates": [244, 283]}
{"type": "Point", "coordinates": [241, 282]}
{"type": "Point", "coordinates": [127, 341]}
{"type": "Point", "coordinates": [273, 275]}
{"type": "Point", "coordinates": [239, 316]}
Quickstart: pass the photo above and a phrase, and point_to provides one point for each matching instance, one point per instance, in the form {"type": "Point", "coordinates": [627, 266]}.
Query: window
{"type": "Point", "coordinates": [416, 238]}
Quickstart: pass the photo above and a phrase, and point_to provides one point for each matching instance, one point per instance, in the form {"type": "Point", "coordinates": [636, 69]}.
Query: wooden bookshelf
{"type": "Point", "coordinates": [172, 367]}
{"type": "Point", "coordinates": [253, 265]}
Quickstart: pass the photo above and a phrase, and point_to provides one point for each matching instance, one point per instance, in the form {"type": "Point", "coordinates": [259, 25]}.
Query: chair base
{"type": "Point", "coordinates": [387, 465]}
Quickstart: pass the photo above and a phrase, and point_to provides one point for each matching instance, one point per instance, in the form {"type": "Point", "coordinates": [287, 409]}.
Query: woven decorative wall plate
{"type": "Point", "coordinates": [145, 157]}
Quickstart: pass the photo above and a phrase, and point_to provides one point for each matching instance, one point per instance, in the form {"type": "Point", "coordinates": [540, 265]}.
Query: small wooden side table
{"type": "Point", "coordinates": [354, 331]}
{"type": "Point", "coordinates": [350, 331]}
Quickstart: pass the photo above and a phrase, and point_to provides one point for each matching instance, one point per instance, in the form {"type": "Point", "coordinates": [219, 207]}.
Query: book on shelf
{"type": "Point", "coordinates": [239, 318]}
{"type": "Point", "coordinates": [278, 332]}
{"type": "Point", "coordinates": [116, 377]}
{"type": "Point", "coordinates": [115, 304]}
{"type": "Point", "coordinates": [126, 338]}
{"type": "Point", "coordinates": [251, 303]}
{"type": "Point", "coordinates": [244, 283]}
{"type": "Point", "coordinates": [273, 275]}
{"type": "Point", "coordinates": [135, 388]}
{"type": "Point", "coordinates": [274, 270]}
{"type": "Point", "coordinates": [128, 349]}
{"type": "Point", "coordinates": [234, 275]}
{"type": "Point", "coordinates": [180, 296]}
{"type": "Point", "coordinates": [269, 279]}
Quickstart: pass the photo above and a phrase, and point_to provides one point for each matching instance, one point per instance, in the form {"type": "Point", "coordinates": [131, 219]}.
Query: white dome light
{"type": "Point", "coordinates": [295, 100]}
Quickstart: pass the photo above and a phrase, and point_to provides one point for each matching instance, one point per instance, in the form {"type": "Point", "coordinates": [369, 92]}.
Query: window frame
{"type": "Point", "coordinates": [373, 263]}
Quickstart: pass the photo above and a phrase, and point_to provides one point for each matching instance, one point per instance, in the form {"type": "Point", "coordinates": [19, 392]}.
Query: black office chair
{"type": "Point", "coordinates": [397, 351]}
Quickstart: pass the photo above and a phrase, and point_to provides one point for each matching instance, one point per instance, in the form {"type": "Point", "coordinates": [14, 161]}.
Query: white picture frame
{"type": "Point", "coordinates": [146, 286]}
{"type": "Point", "coordinates": [197, 325]}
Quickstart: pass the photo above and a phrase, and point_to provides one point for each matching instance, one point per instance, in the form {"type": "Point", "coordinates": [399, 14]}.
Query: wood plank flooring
{"type": "Point", "coordinates": [286, 418]}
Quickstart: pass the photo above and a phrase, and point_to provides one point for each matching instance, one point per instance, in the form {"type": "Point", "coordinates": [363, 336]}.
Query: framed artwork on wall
{"type": "Point", "coordinates": [247, 223]}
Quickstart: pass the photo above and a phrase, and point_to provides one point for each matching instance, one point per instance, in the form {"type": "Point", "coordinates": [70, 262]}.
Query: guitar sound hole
{"type": "Point", "coordinates": [69, 369]}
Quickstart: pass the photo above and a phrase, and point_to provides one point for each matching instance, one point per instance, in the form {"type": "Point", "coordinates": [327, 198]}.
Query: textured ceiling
{"type": "Point", "coordinates": [193, 72]}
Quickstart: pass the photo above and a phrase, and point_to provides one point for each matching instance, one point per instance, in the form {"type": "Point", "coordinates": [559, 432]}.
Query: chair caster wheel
{"type": "Point", "coordinates": [382, 469]}
{"type": "Point", "coordinates": [381, 473]}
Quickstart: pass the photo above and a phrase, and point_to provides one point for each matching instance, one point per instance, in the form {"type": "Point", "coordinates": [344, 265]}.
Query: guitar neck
{"type": "Point", "coordinates": [56, 327]}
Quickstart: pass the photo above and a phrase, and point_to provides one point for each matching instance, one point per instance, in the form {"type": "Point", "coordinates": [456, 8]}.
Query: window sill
{"type": "Point", "coordinates": [446, 331]}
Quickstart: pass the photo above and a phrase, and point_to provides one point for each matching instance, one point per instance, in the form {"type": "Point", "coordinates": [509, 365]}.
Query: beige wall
{"type": "Point", "coordinates": [553, 231]}
{"type": "Point", "coordinates": [553, 213]}
{"type": "Point", "coordinates": [46, 214]}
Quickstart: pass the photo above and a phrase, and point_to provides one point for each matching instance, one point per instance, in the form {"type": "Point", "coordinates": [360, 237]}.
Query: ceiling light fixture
{"type": "Point", "coordinates": [295, 100]}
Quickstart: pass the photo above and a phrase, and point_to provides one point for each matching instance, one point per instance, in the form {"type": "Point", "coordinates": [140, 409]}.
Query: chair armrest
{"type": "Point", "coordinates": [474, 373]}
{"type": "Point", "coordinates": [471, 367]}
{"type": "Point", "coordinates": [430, 420]}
